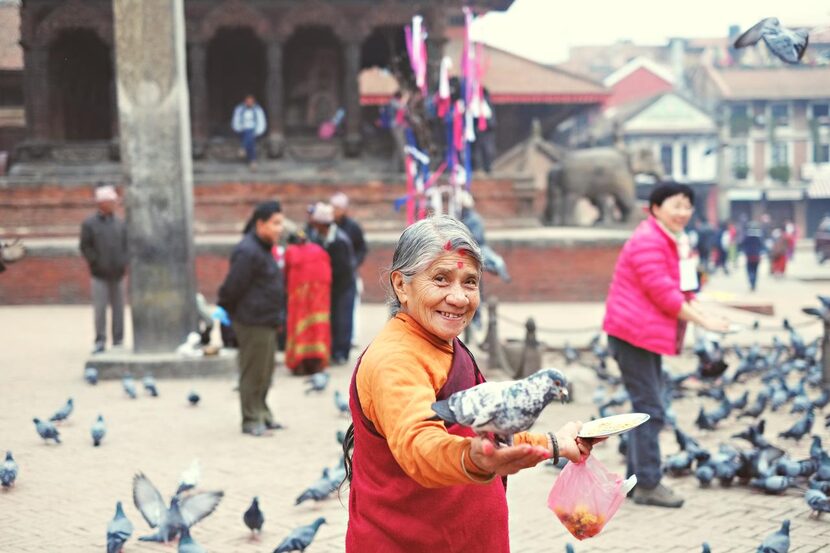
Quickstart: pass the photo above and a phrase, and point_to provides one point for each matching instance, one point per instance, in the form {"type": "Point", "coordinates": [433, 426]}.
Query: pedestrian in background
{"type": "Point", "coordinates": [753, 247]}
{"type": "Point", "coordinates": [253, 295]}
{"type": "Point", "coordinates": [340, 203]}
{"type": "Point", "coordinates": [778, 254]}
{"type": "Point", "coordinates": [249, 123]}
{"type": "Point", "coordinates": [104, 247]}
{"type": "Point", "coordinates": [649, 303]}
{"type": "Point", "coordinates": [339, 247]}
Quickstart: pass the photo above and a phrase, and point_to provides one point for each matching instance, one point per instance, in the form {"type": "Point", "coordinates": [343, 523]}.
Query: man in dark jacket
{"type": "Point", "coordinates": [339, 247]}
{"type": "Point", "coordinates": [253, 296]}
{"type": "Point", "coordinates": [340, 203]}
{"type": "Point", "coordinates": [104, 246]}
{"type": "Point", "coordinates": [753, 247]}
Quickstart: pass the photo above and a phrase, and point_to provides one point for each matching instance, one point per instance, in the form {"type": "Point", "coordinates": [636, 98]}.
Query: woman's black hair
{"type": "Point", "coordinates": [262, 212]}
{"type": "Point", "coordinates": [666, 190]}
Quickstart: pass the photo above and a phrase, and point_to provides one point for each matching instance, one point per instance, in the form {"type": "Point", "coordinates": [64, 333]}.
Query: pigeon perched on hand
{"type": "Point", "coordinates": [300, 538]}
{"type": "Point", "coordinates": [91, 375]}
{"type": "Point", "coordinates": [818, 502]}
{"type": "Point", "coordinates": [119, 530]}
{"type": "Point", "coordinates": [128, 383]}
{"type": "Point", "coordinates": [64, 412]}
{"type": "Point", "coordinates": [778, 541]}
{"type": "Point", "coordinates": [318, 382]}
{"type": "Point", "coordinates": [187, 544]}
{"type": "Point", "coordinates": [503, 408]}
{"type": "Point", "coordinates": [8, 471]}
{"type": "Point", "coordinates": [47, 430]}
{"type": "Point", "coordinates": [253, 517]}
{"type": "Point", "coordinates": [150, 385]}
{"type": "Point", "coordinates": [788, 45]}
{"type": "Point", "coordinates": [193, 398]}
{"type": "Point", "coordinates": [183, 512]}
{"type": "Point", "coordinates": [98, 431]}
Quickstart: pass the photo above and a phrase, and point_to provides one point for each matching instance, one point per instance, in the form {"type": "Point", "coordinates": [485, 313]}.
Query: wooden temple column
{"type": "Point", "coordinates": [274, 98]}
{"type": "Point", "coordinates": [197, 54]}
{"type": "Point", "coordinates": [351, 90]}
{"type": "Point", "coordinates": [36, 91]}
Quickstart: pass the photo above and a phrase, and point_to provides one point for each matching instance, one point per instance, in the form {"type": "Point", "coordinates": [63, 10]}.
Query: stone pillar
{"type": "Point", "coordinates": [274, 99]}
{"type": "Point", "coordinates": [198, 97]}
{"type": "Point", "coordinates": [351, 89]}
{"type": "Point", "coordinates": [155, 151]}
{"type": "Point", "coordinates": [36, 92]}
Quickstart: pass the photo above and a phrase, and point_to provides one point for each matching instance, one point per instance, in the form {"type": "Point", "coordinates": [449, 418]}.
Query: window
{"type": "Point", "coordinates": [780, 114]}
{"type": "Point", "coordinates": [739, 120]}
{"type": "Point", "coordinates": [741, 155]}
{"type": "Point", "coordinates": [684, 160]}
{"type": "Point", "coordinates": [667, 159]}
{"type": "Point", "coordinates": [821, 110]}
{"type": "Point", "coordinates": [821, 153]}
{"type": "Point", "coordinates": [780, 154]}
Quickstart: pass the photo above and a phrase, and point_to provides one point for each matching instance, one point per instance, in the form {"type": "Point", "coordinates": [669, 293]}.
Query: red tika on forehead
{"type": "Point", "coordinates": [462, 252]}
{"type": "Point", "coordinates": [460, 264]}
{"type": "Point", "coordinates": [448, 246]}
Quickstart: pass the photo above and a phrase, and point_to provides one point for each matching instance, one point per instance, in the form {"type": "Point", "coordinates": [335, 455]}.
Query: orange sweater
{"type": "Point", "coordinates": [400, 374]}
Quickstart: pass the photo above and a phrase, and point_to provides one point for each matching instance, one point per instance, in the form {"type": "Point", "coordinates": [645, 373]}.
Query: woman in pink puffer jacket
{"type": "Point", "coordinates": [648, 305]}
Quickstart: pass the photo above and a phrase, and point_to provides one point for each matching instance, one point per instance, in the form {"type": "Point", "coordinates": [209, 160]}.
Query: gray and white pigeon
{"type": "Point", "coordinates": [188, 545]}
{"type": "Point", "coordinates": [64, 412]}
{"type": "Point", "coordinates": [183, 512]}
{"type": "Point", "coordinates": [818, 502]}
{"type": "Point", "coordinates": [150, 385]}
{"type": "Point", "coordinates": [342, 403]}
{"type": "Point", "coordinates": [322, 488]}
{"type": "Point", "coordinates": [47, 430]}
{"type": "Point", "coordinates": [98, 431]}
{"type": "Point", "coordinates": [300, 538]}
{"type": "Point", "coordinates": [253, 517]}
{"type": "Point", "coordinates": [788, 45]}
{"type": "Point", "coordinates": [91, 375]}
{"type": "Point", "coordinates": [778, 541]}
{"type": "Point", "coordinates": [318, 382]}
{"type": "Point", "coordinates": [119, 530]}
{"type": "Point", "coordinates": [503, 408]}
{"type": "Point", "coordinates": [128, 383]}
{"type": "Point", "coordinates": [8, 471]}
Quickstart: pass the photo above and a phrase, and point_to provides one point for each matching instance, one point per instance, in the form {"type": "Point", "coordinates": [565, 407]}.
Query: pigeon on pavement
{"type": "Point", "coordinates": [187, 544]}
{"type": "Point", "coordinates": [253, 517]}
{"type": "Point", "coordinates": [47, 430]}
{"type": "Point", "coordinates": [128, 382]}
{"type": "Point", "coordinates": [778, 541]}
{"type": "Point", "coordinates": [318, 382]}
{"type": "Point", "coordinates": [818, 502]}
{"type": "Point", "coordinates": [64, 412]}
{"type": "Point", "coordinates": [8, 471]}
{"type": "Point", "coordinates": [91, 375]}
{"type": "Point", "coordinates": [342, 403]}
{"type": "Point", "coordinates": [193, 398]}
{"type": "Point", "coordinates": [319, 490]}
{"type": "Point", "coordinates": [150, 385]}
{"type": "Point", "coordinates": [788, 45]}
{"type": "Point", "coordinates": [503, 408]}
{"type": "Point", "coordinates": [98, 431]}
{"type": "Point", "coordinates": [119, 530]}
{"type": "Point", "coordinates": [300, 538]}
{"type": "Point", "coordinates": [801, 427]}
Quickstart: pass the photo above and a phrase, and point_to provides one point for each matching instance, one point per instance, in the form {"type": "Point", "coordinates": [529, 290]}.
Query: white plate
{"type": "Point", "coordinates": [615, 424]}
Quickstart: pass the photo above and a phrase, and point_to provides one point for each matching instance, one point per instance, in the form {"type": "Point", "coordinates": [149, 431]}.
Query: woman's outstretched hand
{"type": "Point", "coordinates": [505, 460]}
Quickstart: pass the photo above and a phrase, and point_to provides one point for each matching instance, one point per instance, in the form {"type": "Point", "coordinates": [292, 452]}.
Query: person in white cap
{"type": "Point", "coordinates": [104, 247]}
{"type": "Point", "coordinates": [340, 250]}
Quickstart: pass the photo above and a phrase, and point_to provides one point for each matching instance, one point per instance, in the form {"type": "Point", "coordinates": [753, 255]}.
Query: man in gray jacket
{"type": "Point", "coordinates": [104, 246]}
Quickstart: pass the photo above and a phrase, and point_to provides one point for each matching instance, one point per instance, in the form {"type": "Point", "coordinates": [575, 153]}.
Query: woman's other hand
{"type": "Point", "coordinates": [504, 461]}
{"type": "Point", "coordinates": [572, 447]}
{"type": "Point", "coordinates": [716, 324]}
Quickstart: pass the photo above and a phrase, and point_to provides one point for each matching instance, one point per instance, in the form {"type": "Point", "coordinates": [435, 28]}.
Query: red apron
{"type": "Point", "coordinates": [391, 513]}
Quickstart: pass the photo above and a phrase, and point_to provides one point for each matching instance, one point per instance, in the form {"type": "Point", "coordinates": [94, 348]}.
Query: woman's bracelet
{"type": "Point", "coordinates": [486, 479]}
{"type": "Point", "coordinates": [554, 447]}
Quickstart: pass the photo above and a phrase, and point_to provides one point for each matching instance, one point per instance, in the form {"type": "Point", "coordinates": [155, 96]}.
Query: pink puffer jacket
{"type": "Point", "coordinates": [645, 298]}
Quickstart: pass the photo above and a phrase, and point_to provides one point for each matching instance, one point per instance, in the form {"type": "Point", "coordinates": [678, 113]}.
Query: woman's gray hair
{"type": "Point", "coordinates": [422, 243]}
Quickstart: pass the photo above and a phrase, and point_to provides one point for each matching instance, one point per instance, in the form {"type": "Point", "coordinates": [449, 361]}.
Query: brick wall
{"type": "Point", "coordinates": [542, 270]}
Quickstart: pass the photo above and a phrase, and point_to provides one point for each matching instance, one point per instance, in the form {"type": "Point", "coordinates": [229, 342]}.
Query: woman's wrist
{"type": "Point", "coordinates": [472, 471]}
{"type": "Point", "coordinates": [553, 445]}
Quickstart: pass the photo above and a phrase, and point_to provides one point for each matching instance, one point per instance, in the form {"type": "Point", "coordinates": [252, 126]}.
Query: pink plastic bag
{"type": "Point", "coordinates": [586, 495]}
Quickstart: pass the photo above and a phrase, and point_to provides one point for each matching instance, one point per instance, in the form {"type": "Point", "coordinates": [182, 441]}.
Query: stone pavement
{"type": "Point", "coordinates": [66, 493]}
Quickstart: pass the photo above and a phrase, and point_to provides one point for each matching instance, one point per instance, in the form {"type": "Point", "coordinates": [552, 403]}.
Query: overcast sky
{"type": "Point", "coordinates": [544, 29]}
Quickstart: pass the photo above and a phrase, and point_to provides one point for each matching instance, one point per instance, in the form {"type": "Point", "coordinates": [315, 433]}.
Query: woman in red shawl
{"type": "Point", "coordinates": [308, 286]}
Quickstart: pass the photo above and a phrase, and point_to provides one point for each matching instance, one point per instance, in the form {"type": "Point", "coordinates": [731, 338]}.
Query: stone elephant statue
{"type": "Point", "coordinates": [597, 174]}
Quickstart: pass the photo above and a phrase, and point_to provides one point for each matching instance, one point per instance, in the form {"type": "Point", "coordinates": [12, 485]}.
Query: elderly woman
{"type": "Point", "coordinates": [648, 305]}
{"type": "Point", "coordinates": [416, 484]}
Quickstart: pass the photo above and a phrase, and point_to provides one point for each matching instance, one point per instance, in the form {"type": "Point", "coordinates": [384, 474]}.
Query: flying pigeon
{"type": "Point", "coordinates": [189, 478]}
{"type": "Point", "coordinates": [129, 386]}
{"type": "Point", "coordinates": [253, 517]}
{"type": "Point", "coordinates": [47, 430]}
{"type": "Point", "coordinates": [187, 544]}
{"type": "Point", "coordinates": [98, 431]}
{"type": "Point", "coordinates": [119, 530]}
{"type": "Point", "coordinates": [818, 502]}
{"type": "Point", "coordinates": [91, 375]}
{"type": "Point", "coordinates": [64, 412]}
{"type": "Point", "coordinates": [342, 403]}
{"type": "Point", "coordinates": [503, 408]}
{"type": "Point", "coordinates": [8, 471]}
{"type": "Point", "coordinates": [300, 538]}
{"type": "Point", "coordinates": [318, 382]}
{"type": "Point", "coordinates": [183, 512]}
{"type": "Point", "coordinates": [193, 398]}
{"type": "Point", "coordinates": [788, 45]}
{"type": "Point", "coordinates": [150, 385]}
{"type": "Point", "coordinates": [778, 541]}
